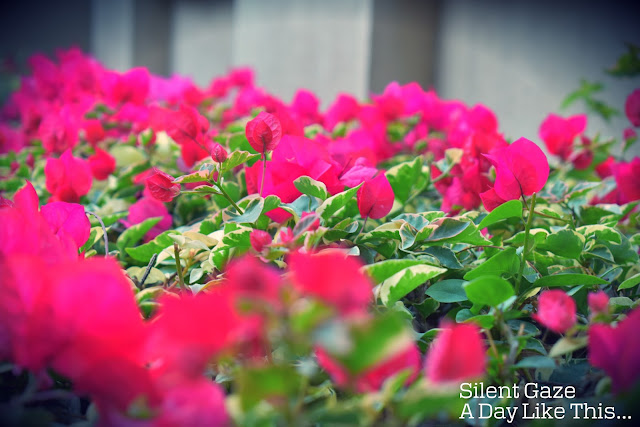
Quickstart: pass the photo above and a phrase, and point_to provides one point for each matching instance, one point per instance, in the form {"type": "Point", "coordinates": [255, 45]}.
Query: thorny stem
{"type": "Point", "coordinates": [176, 250]}
{"type": "Point", "coordinates": [525, 249]}
{"type": "Point", "coordinates": [104, 233]}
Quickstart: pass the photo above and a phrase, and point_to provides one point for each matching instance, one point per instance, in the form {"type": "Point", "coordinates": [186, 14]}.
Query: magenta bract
{"type": "Point", "coordinates": [264, 132]}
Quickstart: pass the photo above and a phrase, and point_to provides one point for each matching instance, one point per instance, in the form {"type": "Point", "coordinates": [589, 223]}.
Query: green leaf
{"type": "Point", "coordinates": [506, 261]}
{"type": "Point", "coordinates": [274, 383]}
{"type": "Point", "coordinates": [537, 362]}
{"type": "Point", "coordinates": [143, 253]}
{"type": "Point", "coordinates": [448, 229]}
{"type": "Point", "coordinates": [237, 236]}
{"type": "Point", "coordinates": [381, 271]}
{"type": "Point", "coordinates": [134, 233]}
{"type": "Point", "coordinates": [445, 256]}
{"type": "Point", "coordinates": [311, 187]}
{"type": "Point", "coordinates": [630, 282]}
{"type": "Point", "coordinates": [371, 342]}
{"type": "Point", "coordinates": [198, 176]}
{"type": "Point", "coordinates": [448, 291]}
{"type": "Point", "coordinates": [485, 321]}
{"type": "Point", "coordinates": [566, 243]}
{"type": "Point", "coordinates": [510, 209]}
{"type": "Point", "coordinates": [238, 157]}
{"type": "Point", "coordinates": [567, 345]}
{"type": "Point", "coordinates": [335, 202]}
{"type": "Point", "coordinates": [95, 235]}
{"type": "Point", "coordinates": [407, 177]}
{"type": "Point", "coordinates": [126, 155]}
{"type": "Point", "coordinates": [404, 281]}
{"type": "Point", "coordinates": [206, 189]}
{"type": "Point", "coordinates": [108, 219]}
{"type": "Point", "coordinates": [570, 279]}
{"type": "Point", "coordinates": [628, 65]}
{"type": "Point", "coordinates": [251, 212]}
{"type": "Point", "coordinates": [195, 275]}
{"type": "Point", "coordinates": [407, 236]}
{"type": "Point", "coordinates": [452, 230]}
{"type": "Point", "coordinates": [148, 294]}
{"type": "Point", "coordinates": [601, 232]}
{"type": "Point", "coordinates": [489, 290]}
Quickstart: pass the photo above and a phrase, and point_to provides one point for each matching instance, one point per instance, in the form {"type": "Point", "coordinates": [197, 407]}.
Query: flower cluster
{"type": "Point", "coordinates": [256, 261]}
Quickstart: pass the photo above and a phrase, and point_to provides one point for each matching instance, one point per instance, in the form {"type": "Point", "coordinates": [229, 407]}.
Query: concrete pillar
{"type": "Point", "coordinates": [403, 42]}
{"type": "Point", "coordinates": [112, 32]}
{"type": "Point", "coordinates": [201, 38]}
{"type": "Point", "coordinates": [324, 46]}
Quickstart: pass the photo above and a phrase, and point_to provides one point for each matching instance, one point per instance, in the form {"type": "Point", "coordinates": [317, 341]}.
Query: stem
{"type": "Point", "coordinates": [525, 250]}
{"type": "Point", "coordinates": [152, 261]}
{"type": "Point", "coordinates": [264, 171]}
{"type": "Point", "coordinates": [551, 217]}
{"type": "Point", "coordinates": [226, 196]}
{"type": "Point", "coordinates": [176, 251]}
{"type": "Point", "coordinates": [104, 233]}
{"type": "Point", "coordinates": [362, 229]}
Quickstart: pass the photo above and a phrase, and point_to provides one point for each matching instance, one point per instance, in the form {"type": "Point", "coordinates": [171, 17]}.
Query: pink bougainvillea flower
{"type": "Point", "coordinates": [582, 159]}
{"type": "Point", "coordinates": [332, 277]}
{"type": "Point", "coordinates": [556, 310]}
{"type": "Point", "coordinates": [94, 339]}
{"type": "Point", "coordinates": [559, 133]}
{"type": "Point", "coordinates": [94, 131]}
{"type": "Point", "coordinates": [129, 87]}
{"type": "Point", "coordinates": [187, 127]}
{"type": "Point", "coordinates": [58, 131]}
{"type": "Point", "coordinates": [521, 170]}
{"type": "Point", "coordinates": [343, 109]}
{"type": "Point", "coordinates": [465, 188]}
{"type": "Point", "coordinates": [161, 186]}
{"type": "Point", "coordinates": [68, 178]}
{"type": "Point", "coordinates": [218, 153]}
{"type": "Point", "coordinates": [259, 239]}
{"type": "Point", "coordinates": [264, 132]}
{"type": "Point", "coordinates": [632, 107]}
{"type": "Point", "coordinates": [629, 133]}
{"type": "Point", "coordinates": [457, 354]}
{"type": "Point", "coordinates": [598, 302]}
{"type": "Point", "coordinates": [606, 168]}
{"type": "Point", "coordinates": [192, 402]}
{"type": "Point", "coordinates": [375, 197]}
{"type": "Point", "coordinates": [626, 174]}
{"type": "Point", "coordinates": [10, 139]}
{"type": "Point", "coordinates": [305, 107]}
{"type": "Point", "coordinates": [615, 351]}
{"type": "Point", "coordinates": [52, 238]}
{"type": "Point", "coordinates": [241, 76]}
{"type": "Point", "coordinates": [102, 164]}
{"type": "Point", "coordinates": [67, 220]}
{"type": "Point", "coordinates": [293, 158]}
{"type": "Point", "coordinates": [249, 278]}
{"type": "Point", "coordinates": [358, 173]}
{"type": "Point", "coordinates": [183, 337]}
{"type": "Point", "coordinates": [146, 208]}
{"type": "Point", "coordinates": [372, 378]}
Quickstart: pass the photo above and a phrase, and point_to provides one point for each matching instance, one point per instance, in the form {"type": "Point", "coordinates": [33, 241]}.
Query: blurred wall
{"type": "Point", "coordinates": [518, 57]}
{"type": "Point", "coordinates": [521, 58]}
{"type": "Point", "coordinates": [324, 46]}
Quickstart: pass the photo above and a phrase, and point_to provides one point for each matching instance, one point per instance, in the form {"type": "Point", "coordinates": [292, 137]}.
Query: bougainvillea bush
{"type": "Point", "coordinates": [175, 255]}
